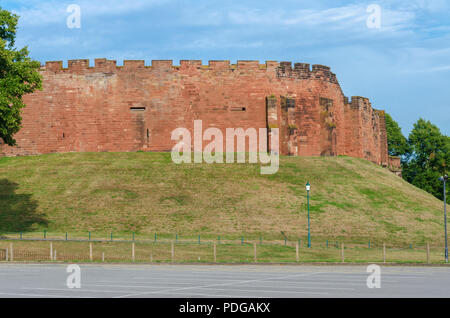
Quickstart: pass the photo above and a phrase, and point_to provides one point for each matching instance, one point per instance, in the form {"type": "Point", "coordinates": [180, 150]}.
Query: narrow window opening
{"type": "Point", "coordinates": [238, 109]}
{"type": "Point", "coordinates": [137, 109]}
{"type": "Point", "coordinates": [148, 133]}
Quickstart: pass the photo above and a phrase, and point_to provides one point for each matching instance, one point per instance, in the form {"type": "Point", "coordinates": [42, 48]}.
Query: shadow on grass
{"type": "Point", "coordinates": [17, 210]}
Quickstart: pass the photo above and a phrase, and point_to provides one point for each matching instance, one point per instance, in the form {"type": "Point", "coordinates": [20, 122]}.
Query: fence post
{"type": "Point", "coordinates": [45, 234]}
{"type": "Point", "coordinates": [151, 258]}
{"type": "Point", "coordinates": [6, 254]}
{"type": "Point", "coordinates": [173, 251]}
{"type": "Point", "coordinates": [89, 236]}
{"type": "Point", "coordinates": [54, 257]}
{"type": "Point", "coordinates": [103, 257]}
{"type": "Point", "coordinates": [343, 256]}
{"type": "Point", "coordinates": [296, 252]}
{"type": "Point", "coordinates": [12, 252]}
{"type": "Point", "coordinates": [215, 253]}
{"type": "Point", "coordinates": [90, 251]}
{"type": "Point", "coordinates": [428, 253]}
{"type": "Point", "coordinates": [384, 252]}
{"type": "Point", "coordinates": [132, 252]}
{"type": "Point", "coordinates": [242, 240]}
{"type": "Point", "coordinates": [66, 236]}
{"type": "Point", "coordinates": [51, 251]}
{"type": "Point", "coordinates": [255, 259]}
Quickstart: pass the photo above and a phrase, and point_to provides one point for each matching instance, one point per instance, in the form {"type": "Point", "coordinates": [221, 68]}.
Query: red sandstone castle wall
{"type": "Point", "coordinates": [101, 108]}
{"type": "Point", "coordinates": [365, 131]}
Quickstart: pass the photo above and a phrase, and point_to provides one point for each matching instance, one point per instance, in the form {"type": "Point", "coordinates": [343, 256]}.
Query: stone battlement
{"type": "Point", "coordinates": [283, 69]}
{"type": "Point", "coordinates": [303, 71]}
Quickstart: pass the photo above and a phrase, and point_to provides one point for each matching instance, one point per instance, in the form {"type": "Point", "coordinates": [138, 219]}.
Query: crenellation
{"type": "Point", "coordinates": [358, 102]}
{"type": "Point", "coordinates": [133, 64]}
{"type": "Point", "coordinates": [280, 69]}
{"type": "Point", "coordinates": [272, 66]}
{"type": "Point", "coordinates": [324, 73]}
{"type": "Point", "coordinates": [333, 78]}
{"type": "Point", "coordinates": [54, 66]}
{"type": "Point", "coordinates": [285, 69]}
{"type": "Point", "coordinates": [303, 67]}
{"type": "Point", "coordinates": [302, 70]}
{"type": "Point", "coordinates": [219, 65]}
{"type": "Point", "coordinates": [247, 65]}
{"type": "Point", "coordinates": [346, 100]}
{"type": "Point", "coordinates": [188, 64]}
{"type": "Point", "coordinates": [162, 64]}
{"type": "Point", "coordinates": [105, 65]}
{"type": "Point", "coordinates": [318, 67]}
{"type": "Point", "coordinates": [78, 65]}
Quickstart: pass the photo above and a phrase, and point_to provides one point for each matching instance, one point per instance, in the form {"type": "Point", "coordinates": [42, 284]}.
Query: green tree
{"type": "Point", "coordinates": [19, 76]}
{"type": "Point", "coordinates": [397, 143]}
{"type": "Point", "coordinates": [428, 159]}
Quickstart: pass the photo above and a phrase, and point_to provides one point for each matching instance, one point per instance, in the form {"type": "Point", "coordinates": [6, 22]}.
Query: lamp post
{"type": "Point", "coordinates": [308, 188]}
{"type": "Point", "coordinates": [444, 179]}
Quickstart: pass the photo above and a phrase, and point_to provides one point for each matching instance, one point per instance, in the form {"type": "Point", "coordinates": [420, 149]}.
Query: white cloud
{"type": "Point", "coordinates": [51, 12]}
{"type": "Point", "coordinates": [350, 19]}
{"type": "Point", "coordinates": [416, 5]}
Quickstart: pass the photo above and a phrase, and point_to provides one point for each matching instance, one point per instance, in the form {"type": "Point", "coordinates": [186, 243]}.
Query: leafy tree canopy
{"type": "Point", "coordinates": [397, 143]}
{"type": "Point", "coordinates": [428, 159]}
{"type": "Point", "coordinates": [19, 76]}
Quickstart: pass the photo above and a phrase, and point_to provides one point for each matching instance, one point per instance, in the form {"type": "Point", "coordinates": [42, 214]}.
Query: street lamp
{"type": "Point", "coordinates": [444, 179]}
{"type": "Point", "coordinates": [308, 188]}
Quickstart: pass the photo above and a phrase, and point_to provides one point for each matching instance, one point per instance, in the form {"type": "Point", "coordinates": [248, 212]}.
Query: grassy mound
{"type": "Point", "coordinates": [351, 199]}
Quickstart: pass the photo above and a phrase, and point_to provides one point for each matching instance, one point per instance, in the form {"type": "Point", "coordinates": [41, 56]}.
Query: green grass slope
{"type": "Point", "coordinates": [351, 199]}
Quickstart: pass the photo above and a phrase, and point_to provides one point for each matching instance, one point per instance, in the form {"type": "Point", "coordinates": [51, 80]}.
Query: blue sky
{"type": "Point", "coordinates": [403, 66]}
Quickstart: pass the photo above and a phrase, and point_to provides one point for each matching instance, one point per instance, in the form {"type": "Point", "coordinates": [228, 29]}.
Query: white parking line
{"type": "Point", "coordinates": [35, 295]}
{"type": "Point", "coordinates": [214, 285]}
{"type": "Point", "coordinates": [123, 286]}
{"type": "Point", "coordinates": [73, 290]}
{"type": "Point", "coordinates": [264, 291]}
{"type": "Point", "coordinates": [285, 283]}
{"type": "Point", "coordinates": [187, 278]}
{"type": "Point", "coordinates": [285, 288]}
{"type": "Point", "coordinates": [294, 287]}
{"type": "Point", "coordinates": [189, 294]}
